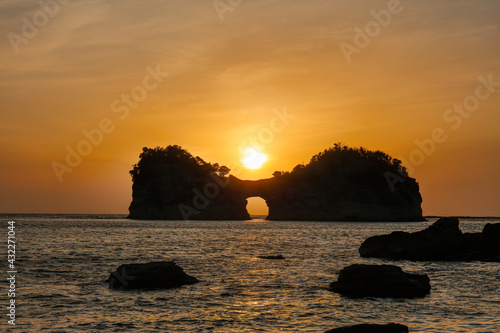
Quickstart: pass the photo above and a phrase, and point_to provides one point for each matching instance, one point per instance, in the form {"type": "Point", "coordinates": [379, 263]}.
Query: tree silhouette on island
{"type": "Point", "coordinates": [339, 184]}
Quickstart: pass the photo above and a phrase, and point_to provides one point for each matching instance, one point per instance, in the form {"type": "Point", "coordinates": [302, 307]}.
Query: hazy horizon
{"type": "Point", "coordinates": [291, 77]}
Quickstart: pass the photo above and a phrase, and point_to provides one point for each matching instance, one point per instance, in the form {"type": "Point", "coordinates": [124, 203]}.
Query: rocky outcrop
{"type": "Point", "coordinates": [171, 184]}
{"type": "Point", "coordinates": [153, 275]}
{"type": "Point", "coordinates": [380, 281]}
{"type": "Point", "coordinates": [340, 184]}
{"type": "Point", "coordinates": [371, 328]}
{"type": "Point", "coordinates": [442, 241]}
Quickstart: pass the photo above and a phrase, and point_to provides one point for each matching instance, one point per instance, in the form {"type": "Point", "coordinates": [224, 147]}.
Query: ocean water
{"type": "Point", "coordinates": [62, 262]}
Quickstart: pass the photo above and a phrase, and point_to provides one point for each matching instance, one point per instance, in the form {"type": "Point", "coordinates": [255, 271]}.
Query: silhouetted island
{"type": "Point", "coordinates": [339, 184]}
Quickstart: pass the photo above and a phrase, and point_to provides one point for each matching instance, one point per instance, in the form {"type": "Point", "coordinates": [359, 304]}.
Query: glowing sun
{"type": "Point", "coordinates": [253, 158]}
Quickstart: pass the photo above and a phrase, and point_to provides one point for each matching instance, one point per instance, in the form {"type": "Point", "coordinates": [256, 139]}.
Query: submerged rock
{"type": "Point", "coordinates": [443, 240]}
{"type": "Point", "coordinates": [153, 275]}
{"type": "Point", "coordinates": [276, 257]}
{"type": "Point", "coordinates": [380, 281]}
{"type": "Point", "coordinates": [371, 328]}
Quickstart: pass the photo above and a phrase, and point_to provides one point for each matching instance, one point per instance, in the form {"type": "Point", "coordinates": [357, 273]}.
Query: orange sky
{"type": "Point", "coordinates": [66, 69]}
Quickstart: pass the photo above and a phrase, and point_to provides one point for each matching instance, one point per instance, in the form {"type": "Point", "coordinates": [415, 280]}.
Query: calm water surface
{"type": "Point", "coordinates": [62, 262]}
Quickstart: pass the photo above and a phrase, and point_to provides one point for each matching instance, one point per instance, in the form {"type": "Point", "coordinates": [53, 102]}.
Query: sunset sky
{"type": "Point", "coordinates": [292, 76]}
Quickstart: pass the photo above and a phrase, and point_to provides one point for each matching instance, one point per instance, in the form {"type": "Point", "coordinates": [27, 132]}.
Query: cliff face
{"type": "Point", "coordinates": [321, 199]}
{"type": "Point", "coordinates": [181, 196]}
{"type": "Point", "coordinates": [341, 184]}
{"type": "Point", "coordinates": [316, 201]}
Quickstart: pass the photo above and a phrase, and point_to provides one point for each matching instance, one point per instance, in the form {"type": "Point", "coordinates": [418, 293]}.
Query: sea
{"type": "Point", "coordinates": [62, 262]}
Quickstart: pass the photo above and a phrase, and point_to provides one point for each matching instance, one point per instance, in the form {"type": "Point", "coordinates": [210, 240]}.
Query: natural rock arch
{"type": "Point", "coordinates": [340, 184]}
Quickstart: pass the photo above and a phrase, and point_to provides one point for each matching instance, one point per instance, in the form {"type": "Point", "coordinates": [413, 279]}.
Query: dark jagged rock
{"type": "Point", "coordinates": [153, 275]}
{"type": "Point", "coordinates": [276, 257]}
{"type": "Point", "coordinates": [339, 184]}
{"type": "Point", "coordinates": [438, 242]}
{"type": "Point", "coordinates": [442, 241]}
{"type": "Point", "coordinates": [371, 328]}
{"type": "Point", "coordinates": [380, 281]}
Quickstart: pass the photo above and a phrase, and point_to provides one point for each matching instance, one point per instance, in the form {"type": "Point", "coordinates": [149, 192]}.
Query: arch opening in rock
{"type": "Point", "coordinates": [257, 207]}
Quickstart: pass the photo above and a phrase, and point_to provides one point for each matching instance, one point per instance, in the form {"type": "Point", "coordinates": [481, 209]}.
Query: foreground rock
{"type": "Point", "coordinates": [153, 275]}
{"type": "Point", "coordinates": [441, 241]}
{"type": "Point", "coordinates": [371, 328]}
{"type": "Point", "coordinates": [380, 281]}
